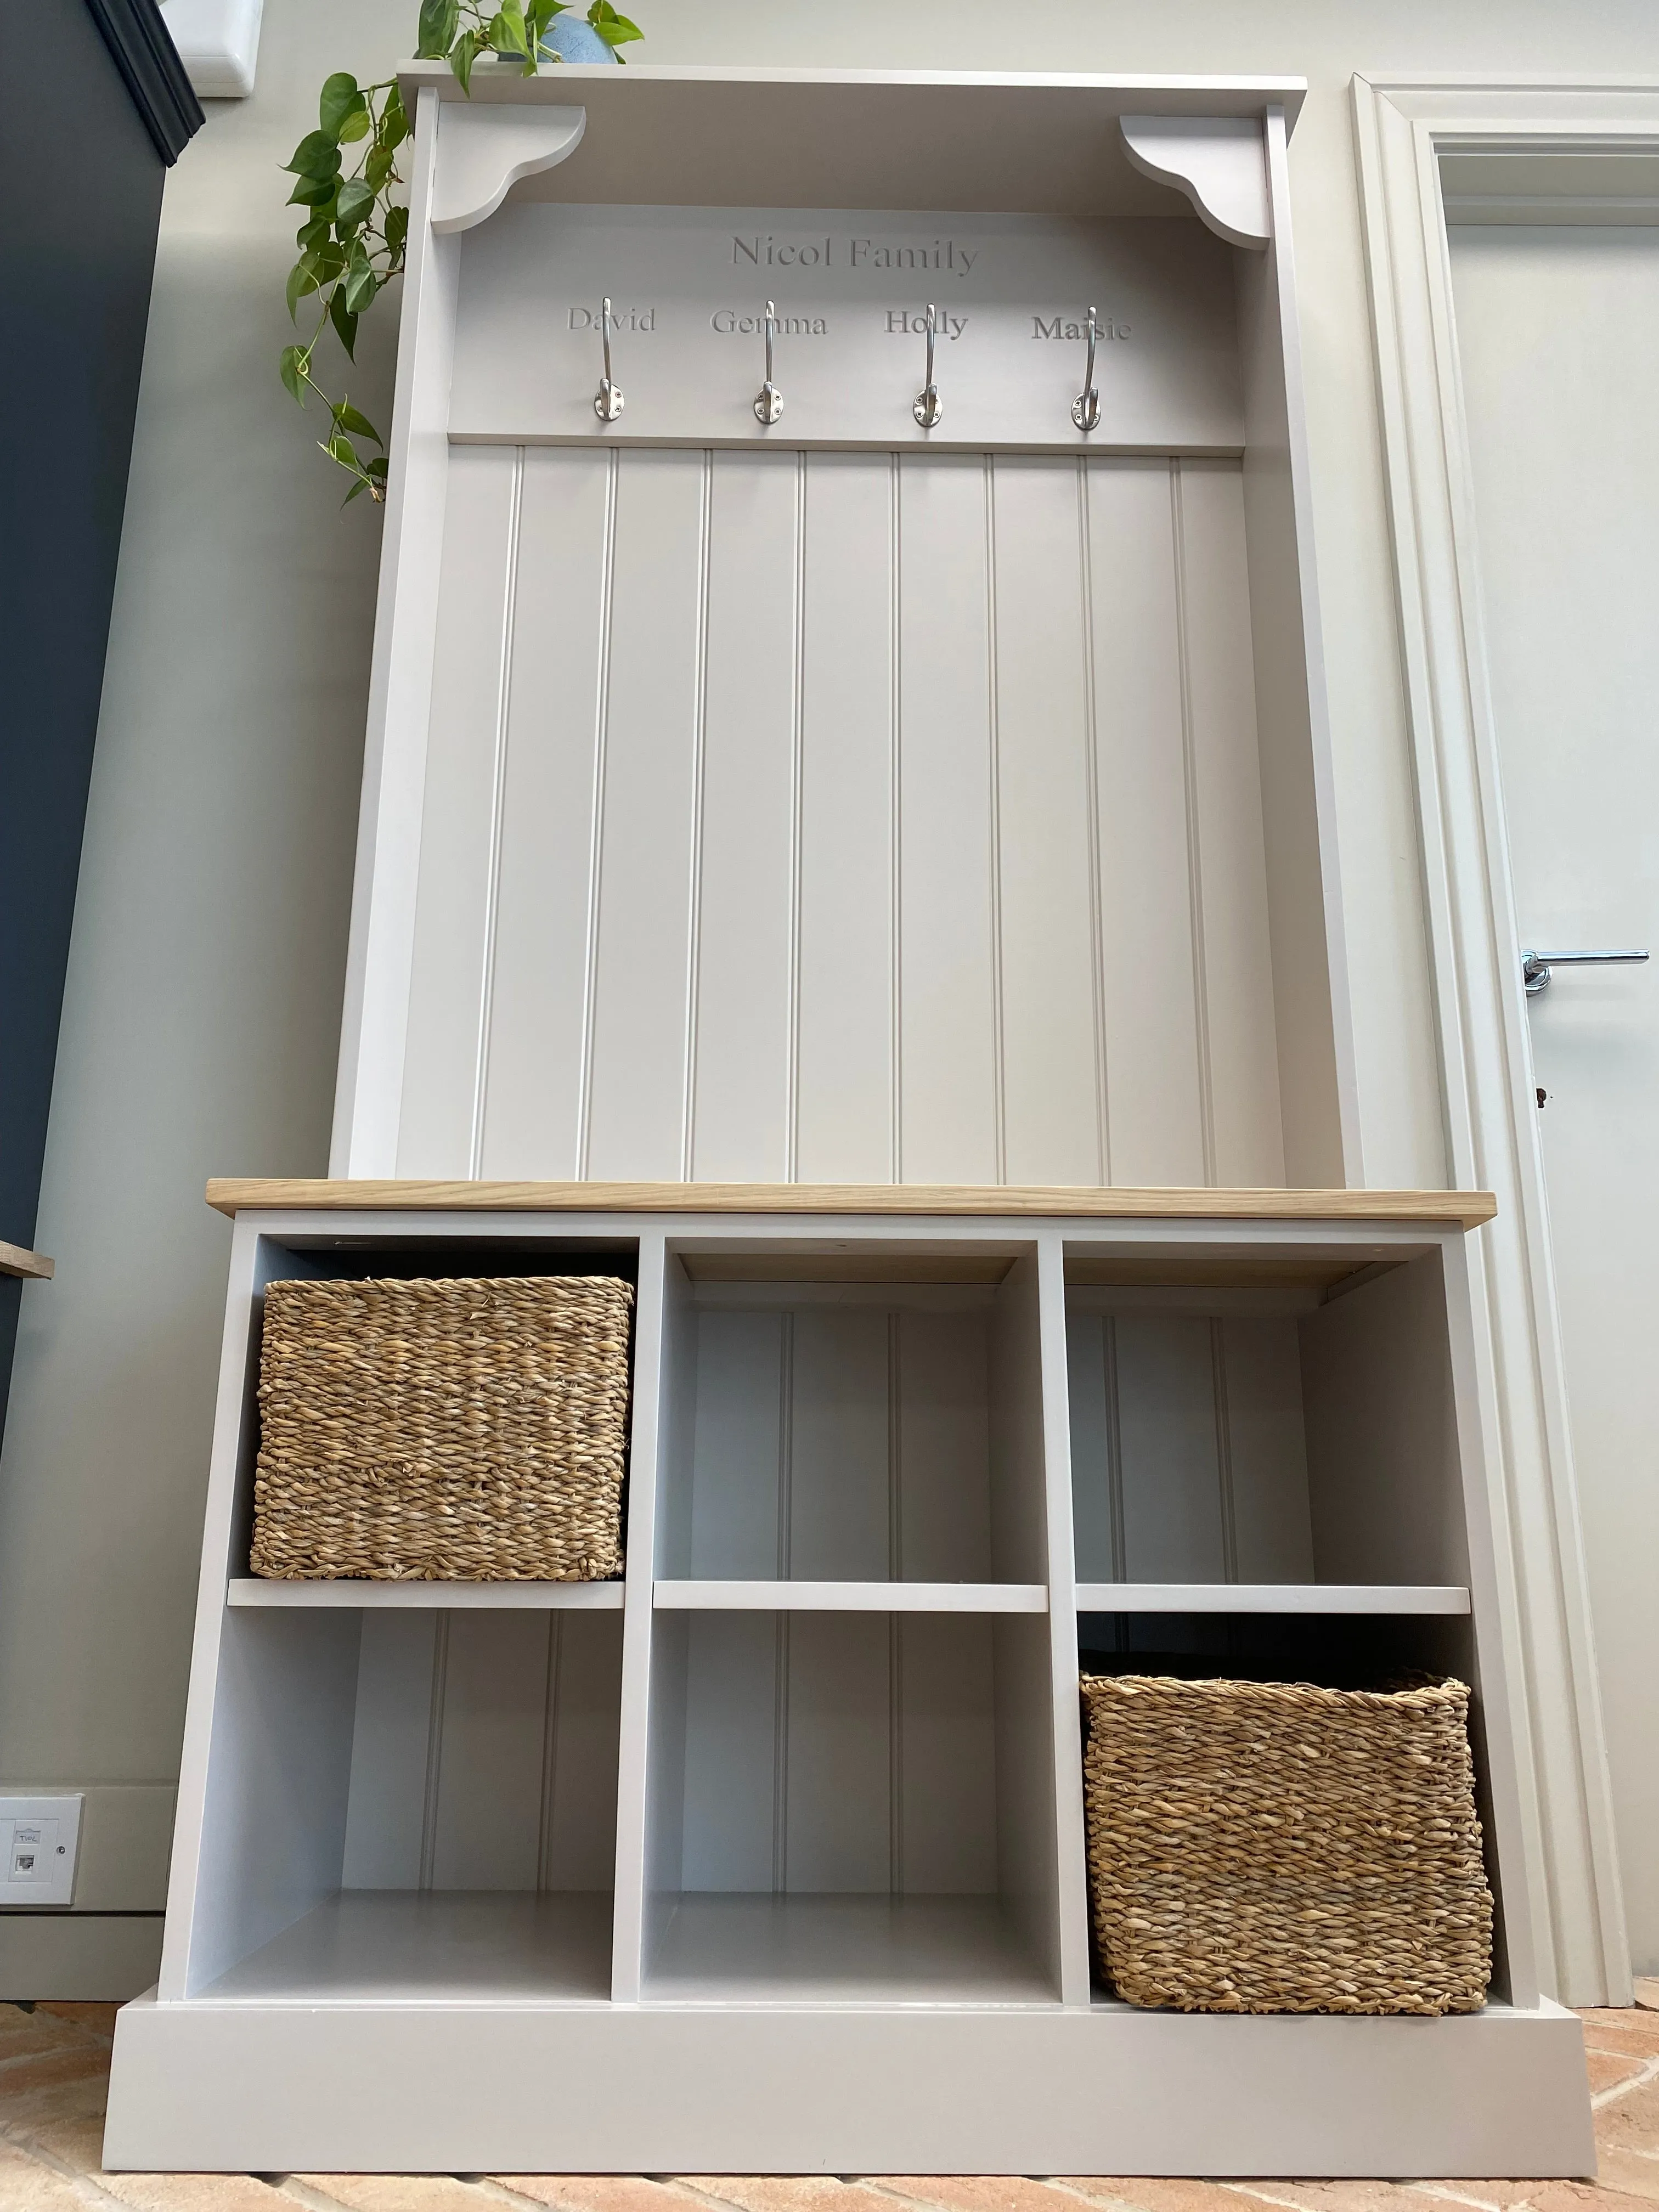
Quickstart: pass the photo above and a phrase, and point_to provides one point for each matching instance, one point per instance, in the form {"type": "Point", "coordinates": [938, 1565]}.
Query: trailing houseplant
{"type": "Point", "coordinates": [354, 227]}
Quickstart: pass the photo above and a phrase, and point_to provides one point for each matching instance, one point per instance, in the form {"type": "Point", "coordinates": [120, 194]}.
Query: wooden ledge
{"type": "Point", "coordinates": [1465, 1209]}
{"type": "Point", "coordinates": [33, 1266]}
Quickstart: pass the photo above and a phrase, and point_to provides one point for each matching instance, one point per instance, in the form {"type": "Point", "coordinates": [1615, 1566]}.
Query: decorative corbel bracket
{"type": "Point", "coordinates": [484, 151]}
{"type": "Point", "coordinates": [1218, 161]}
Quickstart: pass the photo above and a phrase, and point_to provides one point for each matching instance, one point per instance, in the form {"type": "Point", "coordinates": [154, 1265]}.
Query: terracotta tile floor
{"type": "Point", "coordinates": [54, 2063]}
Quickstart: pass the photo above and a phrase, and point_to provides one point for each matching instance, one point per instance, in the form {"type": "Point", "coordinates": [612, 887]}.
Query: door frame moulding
{"type": "Point", "coordinates": [1524, 151]}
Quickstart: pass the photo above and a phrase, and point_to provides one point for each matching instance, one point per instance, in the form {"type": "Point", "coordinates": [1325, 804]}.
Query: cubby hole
{"type": "Point", "coordinates": [411, 1803]}
{"type": "Point", "coordinates": [347, 1258]}
{"type": "Point", "coordinates": [1296, 1430]}
{"type": "Point", "coordinates": [1370, 1651]}
{"type": "Point", "coordinates": [833, 1414]}
{"type": "Point", "coordinates": [852, 1808]}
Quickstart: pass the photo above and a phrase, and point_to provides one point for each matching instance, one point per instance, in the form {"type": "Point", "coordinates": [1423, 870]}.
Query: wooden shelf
{"type": "Point", "coordinates": [483, 1597]}
{"type": "Point", "coordinates": [1466, 1209]}
{"type": "Point", "coordinates": [1272, 1597]}
{"type": "Point", "coordinates": [33, 1266]}
{"type": "Point", "coordinates": [743, 1596]}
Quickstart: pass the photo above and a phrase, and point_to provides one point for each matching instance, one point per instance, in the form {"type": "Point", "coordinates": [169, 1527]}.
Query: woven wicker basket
{"type": "Point", "coordinates": [443, 1431]}
{"type": "Point", "coordinates": [1271, 1847]}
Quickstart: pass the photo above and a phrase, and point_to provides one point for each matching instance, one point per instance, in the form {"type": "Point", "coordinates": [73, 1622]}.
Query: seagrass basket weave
{"type": "Point", "coordinates": [439, 1431]}
{"type": "Point", "coordinates": [1272, 1847]}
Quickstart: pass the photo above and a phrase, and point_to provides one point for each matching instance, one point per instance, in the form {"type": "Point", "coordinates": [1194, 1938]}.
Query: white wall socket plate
{"type": "Point", "coordinates": [39, 1842]}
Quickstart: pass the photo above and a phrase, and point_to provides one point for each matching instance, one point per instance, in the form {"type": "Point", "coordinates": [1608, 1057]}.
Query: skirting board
{"type": "Point", "coordinates": [87, 1957]}
{"type": "Point", "coordinates": [497, 2088]}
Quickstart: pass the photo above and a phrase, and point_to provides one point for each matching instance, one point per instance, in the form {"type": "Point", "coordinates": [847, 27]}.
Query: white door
{"type": "Point", "coordinates": [1559, 331]}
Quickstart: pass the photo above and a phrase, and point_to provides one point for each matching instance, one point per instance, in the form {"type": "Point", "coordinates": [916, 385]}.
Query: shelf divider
{"type": "Point", "coordinates": [443, 1597]}
{"type": "Point", "coordinates": [749, 1597]}
{"type": "Point", "coordinates": [1272, 1597]}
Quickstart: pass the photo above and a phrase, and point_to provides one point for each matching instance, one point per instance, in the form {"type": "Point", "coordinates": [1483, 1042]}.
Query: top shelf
{"type": "Point", "coordinates": [1465, 1209]}
{"type": "Point", "coordinates": [1039, 143]}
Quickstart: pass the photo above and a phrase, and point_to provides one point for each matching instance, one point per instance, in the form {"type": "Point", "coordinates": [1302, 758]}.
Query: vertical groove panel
{"type": "Point", "coordinates": [993, 765]}
{"type": "Point", "coordinates": [1146, 945]}
{"type": "Point", "coordinates": [532, 1079]}
{"type": "Point", "coordinates": [1238, 957]}
{"type": "Point", "coordinates": [638, 1111]}
{"type": "Point", "coordinates": [948, 1109]}
{"type": "Point", "coordinates": [497, 803]}
{"type": "Point", "coordinates": [844, 1110]}
{"type": "Point", "coordinates": [1046, 924]}
{"type": "Point", "coordinates": [700, 758]}
{"type": "Point", "coordinates": [744, 929]}
{"type": "Point", "coordinates": [1197, 940]}
{"type": "Point", "coordinates": [1092, 819]}
{"type": "Point", "coordinates": [469, 678]}
{"type": "Point", "coordinates": [596, 855]}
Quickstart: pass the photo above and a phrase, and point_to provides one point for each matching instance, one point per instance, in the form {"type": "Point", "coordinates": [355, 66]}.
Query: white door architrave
{"type": "Point", "coordinates": [1520, 152]}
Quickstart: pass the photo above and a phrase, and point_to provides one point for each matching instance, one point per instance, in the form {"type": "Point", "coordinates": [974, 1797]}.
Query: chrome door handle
{"type": "Point", "coordinates": [1536, 966]}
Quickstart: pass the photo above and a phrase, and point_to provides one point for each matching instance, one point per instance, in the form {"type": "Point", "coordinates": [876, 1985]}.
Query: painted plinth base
{"type": "Point", "coordinates": [506, 2088]}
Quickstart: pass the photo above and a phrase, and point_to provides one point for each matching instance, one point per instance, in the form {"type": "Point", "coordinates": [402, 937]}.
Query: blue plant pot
{"type": "Point", "coordinates": [571, 38]}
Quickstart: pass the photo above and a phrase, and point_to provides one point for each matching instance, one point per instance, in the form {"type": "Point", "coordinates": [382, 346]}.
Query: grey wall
{"type": "Point", "coordinates": [205, 981]}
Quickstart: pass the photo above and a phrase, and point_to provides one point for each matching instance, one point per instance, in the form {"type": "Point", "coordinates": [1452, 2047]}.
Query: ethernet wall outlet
{"type": "Point", "coordinates": [38, 1836]}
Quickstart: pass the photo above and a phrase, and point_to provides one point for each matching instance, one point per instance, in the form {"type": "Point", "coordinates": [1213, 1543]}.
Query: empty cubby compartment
{"type": "Point", "coordinates": [431, 1809]}
{"type": "Point", "coordinates": [851, 1807]}
{"type": "Point", "coordinates": [838, 1429]}
{"type": "Point", "coordinates": [1299, 1434]}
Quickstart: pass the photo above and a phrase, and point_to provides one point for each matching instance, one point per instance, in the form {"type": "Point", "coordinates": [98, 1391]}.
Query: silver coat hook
{"type": "Point", "coordinates": [1085, 408]}
{"type": "Point", "coordinates": [768, 400]}
{"type": "Point", "coordinates": [927, 407]}
{"type": "Point", "coordinates": [607, 400]}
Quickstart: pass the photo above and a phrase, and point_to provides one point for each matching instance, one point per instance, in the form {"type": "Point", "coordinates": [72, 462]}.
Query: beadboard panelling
{"type": "Point", "coordinates": [837, 1752]}
{"type": "Point", "coordinates": [1189, 1452]}
{"type": "Point", "coordinates": [838, 1443]}
{"type": "Point", "coordinates": [795, 816]}
{"type": "Point", "coordinates": [484, 1753]}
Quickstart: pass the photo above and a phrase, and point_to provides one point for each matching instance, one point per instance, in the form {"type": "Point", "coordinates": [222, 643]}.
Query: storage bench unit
{"type": "Point", "coordinates": [770, 1855]}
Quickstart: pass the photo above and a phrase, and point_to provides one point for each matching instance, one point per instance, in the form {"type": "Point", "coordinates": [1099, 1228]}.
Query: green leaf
{"type": "Point", "coordinates": [314, 232]}
{"type": "Point", "coordinates": [343, 451]}
{"type": "Point", "coordinates": [302, 279]}
{"type": "Point", "coordinates": [340, 97]}
{"type": "Point", "coordinates": [313, 192]}
{"type": "Point", "coordinates": [361, 286]}
{"type": "Point", "coordinates": [394, 122]}
{"type": "Point", "coordinates": [344, 322]}
{"type": "Point", "coordinates": [377, 468]}
{"type": "Point", "coordinates": [348, 418]}
{"type": "Point", "coordinates": [290, 366]}
{"type": "Point", "coordinates": [328, 260]}
{"type": "Point", "coordinates": [397, 228]}
{"type": "Point", "coordinates": [616, 30]}
{"type": "Point", "coordinates": [468, 46]}
{"type": "Point", "coordinates": [360, 485]}
{"type": "Point", "coordinates": [377, 168]}
{"type": "Point", "coordinates": [357, 125]}
{"type": "Point", "coordinates": [355, 203]}
{"type": "Point", "coordinates": [438, 21]}
{"type": "Point", "coordinates": [317, 154]}
{"type": "Point", "coordinates": [508, 33]}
